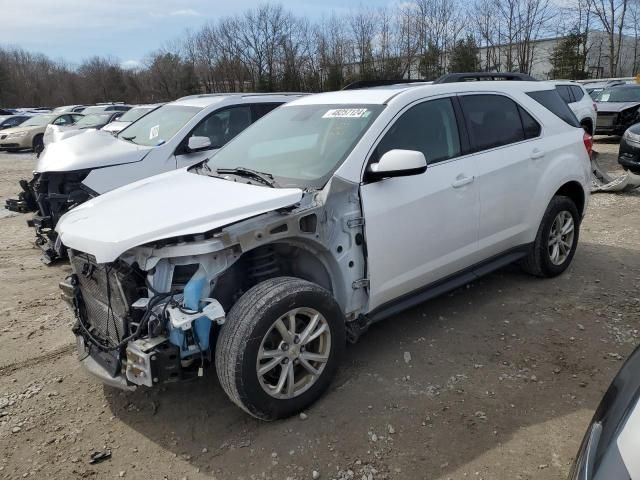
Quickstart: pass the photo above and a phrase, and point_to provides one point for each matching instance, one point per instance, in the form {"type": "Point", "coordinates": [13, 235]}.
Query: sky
{"type": "Point", "coordinates": [127, 29]}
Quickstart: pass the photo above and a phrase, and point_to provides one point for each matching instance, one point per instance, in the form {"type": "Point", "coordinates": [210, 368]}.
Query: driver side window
{"type": "Point", "coordinates": [222, 126]}
{"type": "Point", "coordinates": [429, 127]}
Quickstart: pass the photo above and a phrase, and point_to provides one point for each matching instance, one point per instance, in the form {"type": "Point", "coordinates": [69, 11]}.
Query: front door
{"type": "Point", "coordinates": [220, 127]}
{"type": "Point", "coordinates": [421, 228]}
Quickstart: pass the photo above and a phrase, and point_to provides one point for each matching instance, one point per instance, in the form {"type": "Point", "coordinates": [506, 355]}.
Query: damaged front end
{"type": "Point", "coordinates": [50, 195]}
{"type": "Point", "coordinates": [154, 314]}
{"type": "Point", "coordinates": [129, 334]}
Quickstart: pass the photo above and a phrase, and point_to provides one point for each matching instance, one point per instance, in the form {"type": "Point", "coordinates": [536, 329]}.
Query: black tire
{"type": "Point", "coordinates": [247, 323]}
{"type": "Point", "coordinates": [538, 261]}
{"type": "Point", "coordinates": [38, 144]}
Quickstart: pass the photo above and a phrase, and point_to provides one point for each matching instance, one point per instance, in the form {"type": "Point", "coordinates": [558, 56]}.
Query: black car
{"type": "Point", "coordinates": [610, 449]}
{"type": "Point", "coordinates": [629, 153]}
{"type": "Point", "coordinates": [617, 109]}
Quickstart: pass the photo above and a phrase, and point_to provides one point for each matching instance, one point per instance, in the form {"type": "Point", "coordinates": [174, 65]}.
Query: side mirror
{"type": "Point", "coordinates": [196, 144]}
{"type": "Point", "coordinates": [398, 163]}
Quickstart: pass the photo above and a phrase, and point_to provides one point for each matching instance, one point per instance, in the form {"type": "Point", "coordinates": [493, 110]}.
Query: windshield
{"type": "Point", "coordinates": [97, 119]}
{"type": "Point", "coordinates": [159, 126]}
{"type": "Point", "coordinates": [299, 145]}
{"type": "Point", "coordinates": [134, 114]}
{"type": "Point", "coordinates": [619, 94]}
{"type": "Point", "coordinates": [39, 120]}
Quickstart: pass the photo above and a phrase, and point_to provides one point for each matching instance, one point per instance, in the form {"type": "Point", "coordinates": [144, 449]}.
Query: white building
{"type": "Point", "coordinates": [541, 52]}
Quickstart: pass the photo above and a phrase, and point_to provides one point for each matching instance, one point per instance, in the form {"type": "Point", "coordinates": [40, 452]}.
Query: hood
{"type": "Point", "coordinates": [115, 126]}
{"type": "Point", "coordinates": [167, 205]}
{"type": "Point", "coordinates": [615, 107]}
{"type": "Point", "coordinates": [89, 149]}
{"type": "Point", "coordinates": [55, 133]}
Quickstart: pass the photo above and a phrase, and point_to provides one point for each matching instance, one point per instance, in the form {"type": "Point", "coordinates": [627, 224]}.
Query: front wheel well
{"type": "Point", "coordinates": [575, 192]}
{"type": "Point", "coordinates": [270, 261]}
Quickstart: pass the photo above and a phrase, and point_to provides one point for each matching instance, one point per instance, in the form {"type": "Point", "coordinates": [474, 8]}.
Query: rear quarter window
{"type": "Point", "coordinates": [578, 93]}
{"type": "Point", "coordinates": [565, 93]}
{"type": "Point", "coordinates": [551, 100]}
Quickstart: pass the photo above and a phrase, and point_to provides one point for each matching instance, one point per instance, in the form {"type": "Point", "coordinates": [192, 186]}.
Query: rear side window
{"type": "Point", "coordinates": [578, 93]}
{"type": "Point", "coordinates": [565, 93]}
{"type": "Point", "coordinates": [428, 127]}
{"type": "Point", "coordinates": [551, 100]}
{"type": "Point", "coordinates": [529, 124]}
{"type": "Point", "coordinates": [493, 121]}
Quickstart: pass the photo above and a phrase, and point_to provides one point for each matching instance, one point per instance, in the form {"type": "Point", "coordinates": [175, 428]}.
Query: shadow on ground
{"type": "Point", "coordinates": [507, 352]}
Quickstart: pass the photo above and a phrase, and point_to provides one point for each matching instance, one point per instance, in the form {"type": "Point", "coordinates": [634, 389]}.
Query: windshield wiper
{"type": "Point", "coordinates": [262, 177]}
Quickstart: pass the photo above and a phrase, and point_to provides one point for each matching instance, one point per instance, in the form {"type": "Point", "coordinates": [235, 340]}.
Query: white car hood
{"type": "Point", "coordinates": [168, 205]}
{"type": "Point", "coordinates": [55, 133]}
{"type": "Point", "coordinates": [89, 149]}
{"type": "Point", "coordinates": [115, 126]}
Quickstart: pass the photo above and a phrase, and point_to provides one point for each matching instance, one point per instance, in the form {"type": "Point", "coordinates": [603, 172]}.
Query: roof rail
{"type": "Point", "coordinates": [238, 94]}
{"type": "Point", "coordinates": [481, 76]}
{"type": "Point", "coordinates": [378, 83]}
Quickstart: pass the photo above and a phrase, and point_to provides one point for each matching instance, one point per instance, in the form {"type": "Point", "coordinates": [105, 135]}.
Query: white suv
{"type": "Point", "coordinates": [580, 103]}
{"type": "Point", "coordinates": [332, 212]}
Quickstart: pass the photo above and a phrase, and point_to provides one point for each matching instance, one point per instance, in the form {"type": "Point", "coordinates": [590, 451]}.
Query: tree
{"type": "Point", "coordinates": [430, 62]}
{"type": "Point", "coordinates": [464, 56]}
{"type": "Point", "coordinates": [567, 59]}
{"type": "Point", "coordinates": [611, 14]}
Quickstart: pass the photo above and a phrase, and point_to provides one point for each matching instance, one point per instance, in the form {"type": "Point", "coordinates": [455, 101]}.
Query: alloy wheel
{"type": "Point", "coordinates": [561, 237]}
{"type": "Point", "coordinates": [293, 353]}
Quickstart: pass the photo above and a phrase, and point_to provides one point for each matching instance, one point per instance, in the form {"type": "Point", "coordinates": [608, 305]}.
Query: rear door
{"type": "Point", "coordinates": [421, 228]}
{"type": "Point", "coordinates": [508, 157]}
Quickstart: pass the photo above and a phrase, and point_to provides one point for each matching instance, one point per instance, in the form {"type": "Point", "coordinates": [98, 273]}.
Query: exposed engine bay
{"type": "Point", "coordinates": [152, 315]}
{"type": "Point", "coordinates": [50, 195]}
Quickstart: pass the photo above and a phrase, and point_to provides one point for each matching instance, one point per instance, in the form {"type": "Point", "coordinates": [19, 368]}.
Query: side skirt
{"type": "Point", "coordinates": [447, 284]}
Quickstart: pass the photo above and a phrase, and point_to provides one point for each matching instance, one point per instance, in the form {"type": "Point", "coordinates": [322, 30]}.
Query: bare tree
{"type": "Point", "coordinates": [611, 14]}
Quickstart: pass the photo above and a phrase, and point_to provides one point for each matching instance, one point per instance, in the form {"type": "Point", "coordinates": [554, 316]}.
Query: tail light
{"type": "Point", "coordinates": [588, 143]}
{"type": "Point", "coordinates": [595, 107]}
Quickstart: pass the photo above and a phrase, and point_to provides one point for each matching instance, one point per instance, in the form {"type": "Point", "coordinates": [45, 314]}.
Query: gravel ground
{"type": "Point", "coordinates": [495, 380]}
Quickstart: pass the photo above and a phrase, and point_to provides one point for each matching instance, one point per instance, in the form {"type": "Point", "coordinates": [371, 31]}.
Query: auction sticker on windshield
{"type": "Point", "coordinates": [347, 113]}
{"type": "Point", "coordinates": [154, 132]}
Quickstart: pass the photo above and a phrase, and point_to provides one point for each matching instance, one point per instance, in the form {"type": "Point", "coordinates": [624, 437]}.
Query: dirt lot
{"type": "Point", "coordinates": [502, 380]}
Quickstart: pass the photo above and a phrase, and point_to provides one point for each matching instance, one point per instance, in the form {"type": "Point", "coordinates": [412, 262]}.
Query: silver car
{"type": "Point", "coordinates": [176, 135]}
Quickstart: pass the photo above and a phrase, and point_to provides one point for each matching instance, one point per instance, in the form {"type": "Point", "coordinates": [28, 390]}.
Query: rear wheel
{"type": "Point", "coordinates": [280, 347]}
{"type": "Point", "coordinates": [587, 125]}
{"type": "Point", "coordinates": [556, 241]}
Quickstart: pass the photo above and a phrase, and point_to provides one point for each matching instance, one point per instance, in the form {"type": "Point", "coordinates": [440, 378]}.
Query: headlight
{"type": "Point", "coordinates": [631, 137]}
{"type": "Point", "coordinates": [18, 134]}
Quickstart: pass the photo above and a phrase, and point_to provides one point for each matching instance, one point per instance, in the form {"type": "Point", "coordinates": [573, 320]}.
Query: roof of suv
{"type": "Point", "coordinates": [206, 100]}
{"type": "Point", "coordinates": [383, 94]}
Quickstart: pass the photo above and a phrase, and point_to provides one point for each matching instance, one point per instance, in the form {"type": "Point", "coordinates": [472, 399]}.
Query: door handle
{"type": "Point", "coordinates": [537, 154]}
{"type": "Point", "coordinates": [462, 181]}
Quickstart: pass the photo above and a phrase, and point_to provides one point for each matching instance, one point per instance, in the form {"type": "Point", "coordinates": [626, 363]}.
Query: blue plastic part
{"type": "Point", "coordinates": [194, 291]}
